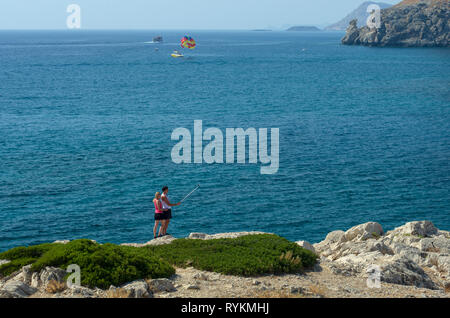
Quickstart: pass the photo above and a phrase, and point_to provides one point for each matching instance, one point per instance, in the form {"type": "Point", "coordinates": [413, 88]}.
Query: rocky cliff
{"type": "Point", "coordinates": [360, 14]}
{"type": "Point", "coordinates": [411, 23]}
{"type": "Point", "coordinates": [415, 254]}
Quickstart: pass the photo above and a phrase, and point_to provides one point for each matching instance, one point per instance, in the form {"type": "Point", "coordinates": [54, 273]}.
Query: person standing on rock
{"type": "Point", "coordinates": [159, 214]}
{"type": "Point", "coordinates": [166, 206]}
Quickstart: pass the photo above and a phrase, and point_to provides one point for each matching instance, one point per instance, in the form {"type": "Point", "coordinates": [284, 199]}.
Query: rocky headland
{"type": "Point", "coordinates": [413, 260]}
{"type": "Point", "coordinates": [360, 14]}
{"type": "Point", "coordinates": [411, 23]}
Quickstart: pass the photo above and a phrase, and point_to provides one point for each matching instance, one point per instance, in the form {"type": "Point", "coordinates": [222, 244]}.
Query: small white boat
{"type": "Point", "coordinates": [176, 54]}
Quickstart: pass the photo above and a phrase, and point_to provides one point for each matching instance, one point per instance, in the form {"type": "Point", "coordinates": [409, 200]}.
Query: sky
{"type": "Point", "coordinates": [176, 14]}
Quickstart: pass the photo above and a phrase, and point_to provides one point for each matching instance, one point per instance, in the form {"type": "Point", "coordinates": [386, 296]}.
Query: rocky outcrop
{"type": "Point", "coordinates": [161, 285]}
{"type": "Point", "coordinates": [360, 14]}
{"type": "Point", "coordinates": [411, 24]}
{"type": "Point", "coordinates": [167, 239]}
{"type": "Point", "coordinates": [414, 257]}
{"type": "Point", "coordinates": [138, 289]}
{"type": "Point", "coordinates": [16, 289]}
{"type": "Point", "coordinates": [45, 276]}
{"type": "Point", "coordinates": [24, 283]}
{"type": "Point", "coordinates": [204, 236]}
{"type": "Point", "coordinates": [407, 255]}
{"type": "Point", "coordinates": [306, 245]}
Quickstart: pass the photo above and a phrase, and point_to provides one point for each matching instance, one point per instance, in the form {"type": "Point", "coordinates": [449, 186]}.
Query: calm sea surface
{"type": "Point", "coordinates": [86, 121]}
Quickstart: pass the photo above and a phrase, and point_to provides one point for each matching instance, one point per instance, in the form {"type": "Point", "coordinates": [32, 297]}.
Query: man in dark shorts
{"type": "Point", "coordinates": [166, 206]}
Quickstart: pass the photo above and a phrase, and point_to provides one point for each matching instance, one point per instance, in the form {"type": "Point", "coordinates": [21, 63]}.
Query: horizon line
{"type": "Point", "coordinates": [181, 29]}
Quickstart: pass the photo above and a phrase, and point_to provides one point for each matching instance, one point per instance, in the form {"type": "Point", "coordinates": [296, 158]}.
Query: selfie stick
{"type": "Point", "coordinates": [198, 186]}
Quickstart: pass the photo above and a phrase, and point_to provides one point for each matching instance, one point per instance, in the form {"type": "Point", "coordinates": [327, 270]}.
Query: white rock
{"type": "Point", "coordinates": [364, 231]}
{"type": "Point", "coordinates": [35, 280]}
{"type": "Point", "coordinates": [61, 242]}
{"type": "Point", "coordinates": [405, 272]}
{"type": "Point", "coordinates": [400, 252]}
{"type": "Point", "coordinates": [50, 273]}
{"type": "Point", "coordinates": [409, 252]}
{"type": "Point", "coordinates": [417, 228]}
{"type": "Point", "coordinates": [335, 237]}
{"type": "Point", "coordinates": [197, 236]}
{"type": "Point", "coordinates": [161, 285]}
{"type": "Point", "coordinates": [379, 246]}
{"type": "Point", "coordinates": [16, 289]}
{"type": "Point", "coordinates": [203, 236]}
{"type": "Point", "coordinates": [358, 264]}
{"type": "Point", "coordinates": [166, 239]}
{"type": "Point", "coordinates": [27, 274]}
{"type": "Point", "coordinates": [80, 292]}
{"type": "Point", "coordinates": [200, 276]}
{"type": "Point", "coordinates": [306, 245]}
{"type": "Point", "coordinates": [138, 289]}
{"type": "Point", "coordinates": [436, 244]}
{"type": "Point", "coordinates": [439, 262]}
{"type": "Point", "coordinates": [233, 235]}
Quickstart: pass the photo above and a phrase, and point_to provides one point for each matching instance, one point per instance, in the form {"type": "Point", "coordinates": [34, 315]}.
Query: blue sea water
{"type": "Point", "coordinates": [86, 119]}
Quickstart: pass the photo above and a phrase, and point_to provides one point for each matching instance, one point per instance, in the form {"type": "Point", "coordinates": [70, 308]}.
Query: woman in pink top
{"type": "Point", "coordinates": [159, 214]}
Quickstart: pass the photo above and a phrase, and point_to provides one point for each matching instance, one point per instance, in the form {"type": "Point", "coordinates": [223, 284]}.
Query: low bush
{"type": "Point", "coordinates": [101, 265]}
{"type": "Point", "coordinates": [21, 256]}
{"type": "Point", "coordinates": [248, 255]}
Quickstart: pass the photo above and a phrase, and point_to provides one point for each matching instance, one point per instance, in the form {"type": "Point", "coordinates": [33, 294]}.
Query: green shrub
{"type": "Point", "coordinates": [22, 252]}
{"type": "Point", "coordinates": [22, 256]}
{"type": "Point", "coordinates": [101, 265]}
{"type": "Point", "coordinates": [109, 264]}
{"type": "Point", "coordinates": [15, 265]}
{"type": "Point", "coordinates": [248, 255]}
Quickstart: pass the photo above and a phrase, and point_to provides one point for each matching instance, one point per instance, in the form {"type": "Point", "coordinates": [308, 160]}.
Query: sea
{"type": "Point", "coordinates": [86, 119]}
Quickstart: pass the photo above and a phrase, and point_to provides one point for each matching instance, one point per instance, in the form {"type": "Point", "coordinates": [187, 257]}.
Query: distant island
{"type": "Point", "coordinates": [303, 28]}
{"type": "Point", "coordinates": [158, 39]}
{"type": "Point", "coordinates": [360, 14]}
{"type": "Point", "coordinates": [411, 23]}
{"type": "Point", "coordinates": [262, 30]}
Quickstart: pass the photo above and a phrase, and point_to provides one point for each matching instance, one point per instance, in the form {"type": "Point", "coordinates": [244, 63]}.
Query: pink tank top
{"type": "Point", "coordinates": [157, 210]}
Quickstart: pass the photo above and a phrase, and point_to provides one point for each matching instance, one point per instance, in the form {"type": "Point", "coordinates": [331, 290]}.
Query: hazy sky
{"type": "Point", "coordinates": [175, 14]}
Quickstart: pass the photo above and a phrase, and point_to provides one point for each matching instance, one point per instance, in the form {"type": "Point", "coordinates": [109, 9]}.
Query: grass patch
{"type": "Point", "coordinates": [248, 255]}
{"type": "Point", "coordinates": [376, 235]}
{"type": "Point", "coordinates": [101, 265]}
{"type": "Point", "coordinates": [412, 235]}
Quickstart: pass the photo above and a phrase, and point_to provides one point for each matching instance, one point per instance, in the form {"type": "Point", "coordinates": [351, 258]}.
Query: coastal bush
{"type": "Point", "coordinates": [248, 255]}
{"type": "Point", "coordinates": [22, 256]}
{"type": "Point", "coordinates": [13, 266]}
{"type": "Point", "coordinates": [101, 265]}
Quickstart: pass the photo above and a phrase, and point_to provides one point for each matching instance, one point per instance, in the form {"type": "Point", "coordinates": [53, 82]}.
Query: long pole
{"type": "Point", "coordinates": [198, 186]}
